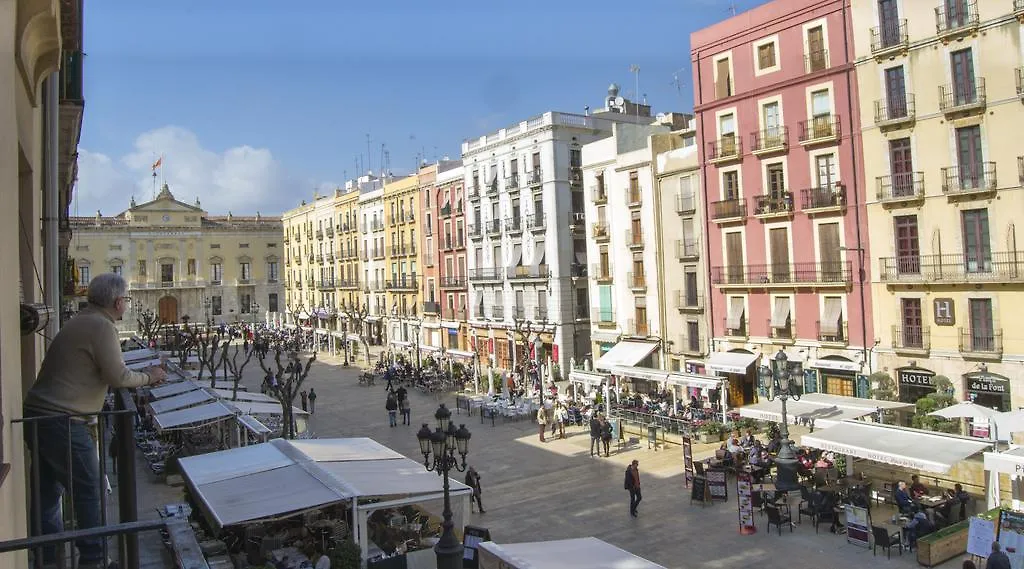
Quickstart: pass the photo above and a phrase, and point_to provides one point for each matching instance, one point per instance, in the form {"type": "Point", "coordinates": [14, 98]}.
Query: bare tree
{"type": "Point", "coordinates": [208, 348]}
{"type": "Point", "coordinates": [290, 378]}
{"type": "Point", "coordinates": [357, 314]}
{"type": "Point", "coordinates": [149, 325]}
{"type": "Point", "coordinates": [236, 368]}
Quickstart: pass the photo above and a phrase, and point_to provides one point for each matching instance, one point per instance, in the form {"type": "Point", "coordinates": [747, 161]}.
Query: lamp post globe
{"type": "Point", "coordinates": [443, 443]}
{"type": "Point", "coordinates": [778, 380]}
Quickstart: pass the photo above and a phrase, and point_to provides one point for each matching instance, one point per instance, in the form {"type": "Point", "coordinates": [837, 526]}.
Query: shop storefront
{"type": "Point", "coordinates": [836, 375]}
{"type": "Point", "coordinates": [914, 383]}
{"type": "Point", "coordinates": [988, 390]}
{"type": "Point", "coordinates": [738, 367]}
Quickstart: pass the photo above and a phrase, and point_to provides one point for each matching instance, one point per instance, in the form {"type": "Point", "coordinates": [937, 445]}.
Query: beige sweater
{"type": "Point", "coordinates": [83, 361]}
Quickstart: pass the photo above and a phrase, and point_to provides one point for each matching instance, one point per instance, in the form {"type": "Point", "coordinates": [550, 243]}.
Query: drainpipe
{"type": "Point", "coordinates": [707, 215]}
{"type": "Point", "coordinates": [51, 205]}
{"type": "Point", "coordinates": [659, 254]}
{"type": "Point", "coordinates": [861, 273]}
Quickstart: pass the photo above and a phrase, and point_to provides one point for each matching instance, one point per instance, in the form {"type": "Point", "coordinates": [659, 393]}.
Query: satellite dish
{"type": "Point", "coordinates": [619, 101]}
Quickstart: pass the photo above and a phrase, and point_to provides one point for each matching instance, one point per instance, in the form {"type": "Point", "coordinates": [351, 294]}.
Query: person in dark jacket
{"type": "Point", "coordinates": [998, 558]}
{"type": "Point", "coordinates": [595, 434]}
{"type": "Point", "coordinates": [473, 481]}
{"type": "Point", "coordinates": [312, 401]}
{"type": "Point", "coordinates": [392, 407]}
{"type": "Point", "coordinates": [632, 483]}
{"type": "Point", "coordinates": [606, 435]}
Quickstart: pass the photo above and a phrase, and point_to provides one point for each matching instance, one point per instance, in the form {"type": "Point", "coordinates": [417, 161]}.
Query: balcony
{"type": "Point", "coordinates": [486, 274]}
{"type": "Point", "coordinates": [969, 179]}
{"type": "Point", "coordinates": [446, 210]}
{"type": "Point", "coordinates": [431, 307]}
{"type": "Point", "coordinates": [348, 283]}
{"type": "Point", "coordinates": [428, 260]}
{"type": "Point", "coordinates": [601, 272]}
{"type": "Point", "coordinates": [890, 39]}
{"type": "Point", "coordinates": [639, 328]}
{"type": "Point", "coordinates": [636, 281]}
{"type": "Point", "coordinates": [581, 313]}
{"type": "Point", "coordinates": [522, 272]}
{"type": "Point", "coordinates": [1020, 80]}
{"type": "Point", "coordinates": [911, 339]}
{"type": "Point", "coordinates": [819, 275]}
{"type": "Point", "coordinates": [780, 335]}
{"type": "Point", "coordinates": [956, 19]}
{"type": "Point", "coordinates": [535, 177]}
{"type": "Point", "coordinates": [535, 222]}
{"type": "Point", "coordinates": [402, 282]}
{"type": "Point", "coordinates": [446, 243]}
{"type": "Point", "coordinates": [298, 284]}
{"type": "Point", "coordinates": [740, 331]}
{"type": "Point", "coordinates": [599, 231]}
{"type": "Point", "coordinates": [689, 301]}
{"type": "Point", "coordinates": [900, 187]}
{"type": "Point", "coordinates": [575, 175]}
{"type": "Point", "coordinates": [634, 197]}
{"type": "Point", "coordinates": [726, 211]}
{"type": "Point", "coordinates": [963, 98]}
{"type": "Point", "coordinates": [603, 316]}
{"type": "Point", "coordinates": [825, 129]}
{"type": "Point", "coordinates": [473, 192]}
{"type": "Point", "coordinates": [514, 225]}
{"type": "Point", "coordinates": [378, 253]}
{"type": "Point", "coordinates": [475, 231]}
{"type": "Point", "coordinates": [687, 249]}
{"type": "Point", "coordinates": [498, 312]}
{"type": "Point", "coordinates": [494, 227]}
{"type": "Point", "coordinates": [491, 189]}
{"type": "Point", "coordinates": [981, 343]}
{"type": "Point", "coordinates": [329, 231]}
{"type": "Point", "coordinates": [453, 281]}
{"type": "Point", "coordinates": [954, 268]}
{"type": "Point", "coordinates": [377, 225]}
{"type": "Point", "coordinates": [724, 150]}
{"type": "Point", "coordinates": [310, 283]}
{"type": "Point", "coordinates": [686, 204]}
{"type": "Point", "coordinates": [319, 235]}
{"type": "Point", "coordinates": [780, 205]}
{"type": "Point", "coordinates": [512, 183]}
{"type": "Point", "coordinates": [895, 111]}
{"type": "Point", "coordinates": [453, 314]}
{"type": "Point", "coordinates": [598, 195]}
{"type": "Point", "coordinates": [770, 141]}
{"type": "Point", "coordinates": [838, 338]}
{"type": "Point", "coordinates": [816, 60]}
{"type": "Point", "coordinates": [540, 313]}
{"type": "Point", "coordinates": [518, 313]}
{"type": "Point", "coordinates": [690, 345]}
{"type": "Point", "coordinates": [329, 257]}
{"type": "Point", "coordinates": [823, 200]}
{"type": "Point", "coordinates": [326, 284]}
{"type": "Point", "coordinates": [635, 241]}
{"type": "Point", "coordinates": [577, 270]}
{"type": "Point", "coordinates": [320, 258]}
{"type": "Point", "coordinates": [298, 259]}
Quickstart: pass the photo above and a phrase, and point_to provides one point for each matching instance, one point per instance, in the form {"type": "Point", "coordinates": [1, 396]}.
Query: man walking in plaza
{"type": "Point", "coordinates": [632, 483]}
{"type": "Point", "coordinates": [312, 401]}
{"type": "Point", "coordinates": [542, 421]}
{"type": "Point", "coordinates": [83, 361]}
{"type": "Point", "coordinates": [595, 434]}
{"type": "Point", "coordinates": [305, 400]}
{"type": "Point", "coordinates": [473, 481]}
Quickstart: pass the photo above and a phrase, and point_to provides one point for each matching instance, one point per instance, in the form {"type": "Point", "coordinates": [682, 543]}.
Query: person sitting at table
{"type": "Point", "coordinates": [955, 497]}
{"type": "Point", "coordinates": [916, 488]}
{"type": "Point", "coordinates": [919, 526]}
{"type": "Point", "coordinates": [748, 439]}
{"type": "Point", "coordinates": [902, 498]}
{"type": "Point", "coordinates": [733, 446]}
{"type": "Point", "coordinates": [774, 445]}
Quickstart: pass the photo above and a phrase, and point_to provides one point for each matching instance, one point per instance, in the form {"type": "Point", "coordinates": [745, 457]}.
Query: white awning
{"type": "Point", "coordinates": [400, 343]}
{"type": "Point", "coordinates": [800, 412]}
{"type": "Point", "coordinates": [180, 401]}
{"type": "Point", "coordinates": [625, 353]}
{"type": "Point", "coordinates": [838, 365]}
{"type": "Point", "coordinates": [730, 362]}
{"type": "Point", "coordinates": [192, 416]}
{"type": "Point", "coordinates": [830, 315]}
{"type": "Point", "coordinates": [909, 448]}
{"type": "Point", "coordinates": [1010, 462]}
{"type": "Point", "coordinates": [645, 373]}
{"type": "Point", "coordinates": [825, 399]}
{"type": "Point", "coordinates": [253, 425]}
{"type": "Point", "coordinates": [261, 408]}
{"type": "Point", "coordinates": [429, 349]}
{"type": "Point", "coordinates": [693, 380]}
{"type": "Point", "coordinates": [387, 477]}
{"type": "Point", "coordinates": [780, 312]}
{"type": "Point", "coordinates": [580, 553]}
{"type": "Point", "coordinates": [172, 389]}
{"type": "Point", "coordinates": [587, 378]}
{"type": "Point", "coordinates": [227, 394]}
{"type": "Point", "coordinates": [461, 354]}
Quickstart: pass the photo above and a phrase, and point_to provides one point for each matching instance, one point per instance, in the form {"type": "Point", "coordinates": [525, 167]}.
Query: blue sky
{"type": "Point", "coordinates": [256, 104]}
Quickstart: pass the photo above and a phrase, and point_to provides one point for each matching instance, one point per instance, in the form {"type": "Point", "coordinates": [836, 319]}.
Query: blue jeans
{"type": "Point", "coordinates": [392, 415]}
{"type": "Point", "coordinates": [83, 478]}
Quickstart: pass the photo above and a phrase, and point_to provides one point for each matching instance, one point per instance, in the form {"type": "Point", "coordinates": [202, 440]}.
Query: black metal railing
{"type": "Point", "coordinates": [576, 219]}
{"type": "Point", "coordinates": [1020, 167]}
{"type": "Point", "coordinates": [726, 209]}
{"type": "Point", "coordinates": [535, 176]}
{"type": "Point", "coordinates": [686, 203]}
{"type": "Point", "coordinates": [895, 108]}
{"type": "Point", "coordinates": [782, 203]}
{"type": "Point", "coordinates": [953, 17]}
{"type": "Point", "coordinates": [956, 267]}
{"type": "Point", "coordinates": [578, 270]}
{"type": "Point", "coordinates": [689, 300]}
{"type": "Point", "coordinates": [514, 224]}
{"type": "Point", "coordinates": [770, 139]}
{"type": "Point", "coordinates": [581, 313]}
{"type": "Point", "coordinates": [963, 95]}
{"type": "Point", "coordinates": [486, 274]}
{"type": "Point", "coordinates": [839, 336]}
{"type": "Point", "coordinates": [402, 282]}
{"type": "Point", "coordinates": [825, 127]}
{"type": "Point", "coordinates": [634, 196]}
{"type": "Point", "coordinates": [494, 226]}
{"type": "Point", "coordinates": [739, 331]}
{"type": "Point", "coordinates": [475, 230]}
{"type": "Point", "coordinates": [449, 313]}
{"type": "Point", "coordinates": [911, 337]}
{"type": "Point", "coordinates": [525, 272]}
{"type": "Point", "coordinates": [981, 341]}
{"type": "Point", "coordinates": [779, 332]}
{"type": "Point", "coordinates": [431, 307]}
{"type": "Point", "coordinates": [600, 230]}
{"type": "Point", "coordinates": [71, 83]}
{"type": "Point", "coordinates": [967, 178]}
{"type": "Point", "coordinates": [348, 283]}
{"type": "Point", "coordinates": [453, 281]}
{"type": "Point", "coordinates": [905, 186]}
{"type": "Point", "coordinates": [603, 315]}
{"type": "Point", "coordinates": [725, 148]}
{"type": "Point", "coordinates": [512, 182]}
{"type": "Point", "coordinates": [326, 284]}
{"type": "Point", "coordinates": [824, 273]}
{"type": "Point", "coordinates": [889, 35]}
{"type": "Point", "coordinates": [687, 248]}
{"type": "Point", "coordinates": [816, 60]}
{"type": "Point", "coordinates": [833, 195]}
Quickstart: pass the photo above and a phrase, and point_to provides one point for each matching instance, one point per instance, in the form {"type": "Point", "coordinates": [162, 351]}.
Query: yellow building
{"type": "Point", "coordinates": [310, 264]}
{"type": "Point", "coordinates": [41, 109]}
{"type": "Point", "coordinates": [401, 248]}
{"type": "Point", "coordinates": [940, 108]}
{"type": "Point", "coordinates": [348, 254]}
{"type": "Point", "coordinates": [181, 262]}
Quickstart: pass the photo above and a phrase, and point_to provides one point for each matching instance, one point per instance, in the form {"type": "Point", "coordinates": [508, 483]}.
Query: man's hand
{"type": "Point", "coordinates": [157, 375]}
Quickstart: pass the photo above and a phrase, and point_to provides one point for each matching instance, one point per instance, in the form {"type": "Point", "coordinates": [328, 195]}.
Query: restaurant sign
{"type": "Point", "coordinates": [915, 376]}
{"type": "Point", "coordinates": [983, 382]}
{"type": "Point", "coordinates": [883, 457]}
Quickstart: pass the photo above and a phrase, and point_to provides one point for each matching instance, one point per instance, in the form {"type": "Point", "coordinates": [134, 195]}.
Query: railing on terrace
{"type": "Point", "coordinates": [955, 267]}
{"type": "Point", "coordinates": [825, 273]}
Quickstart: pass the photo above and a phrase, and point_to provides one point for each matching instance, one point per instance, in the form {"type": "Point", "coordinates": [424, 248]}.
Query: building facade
{"type": "Point", "coordinates": [941, 88]}
{"type": "Point", "coordinates": [776, 101]}
{"type": "Point", "coordinates": [371, 229]}
{"type": "Point", "coordinates": [349, 296]}
{"type": "Point", "coordinates": [184, 264]}
{"type": "Point", "coordinates": [401, 200]}
{"type": "Point", "coordinates": [305, 262]}
{"type": "Point", "coordinates": [445, 293]}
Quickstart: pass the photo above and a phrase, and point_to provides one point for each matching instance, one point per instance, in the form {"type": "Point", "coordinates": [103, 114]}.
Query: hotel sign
{"type": "Point", "coordinates": [944, 312]}
{"type": "Point", "coordinates": [915, 376]}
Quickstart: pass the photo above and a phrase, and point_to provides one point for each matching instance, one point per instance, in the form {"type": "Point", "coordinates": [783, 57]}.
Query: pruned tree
{"type": "Point", "coordinates": [208, 348]}
{"type": "Point", "coordinates": [357, 314]}
{"type": "Point", "coordinates": [235, 367]}
{"type": "Point", "coordinates": [149, 325]}
{"type": "Point", "coordinates": [185, 344]}
{"type": "Point", "coordinates": [290, 378]}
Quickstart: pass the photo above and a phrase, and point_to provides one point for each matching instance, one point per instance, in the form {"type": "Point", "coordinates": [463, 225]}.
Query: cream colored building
{"type": "Point", "coordinates": [371, 229]}
{"type": "Point", "coordinates": [940, 86]}
{"type": "Point", "coordinates": [308, 273]}
{"type": "Point", "coordinates": [401, 264]}
{"type": "Point", "coordinates": [41, 109]}
{"type": "Point", "coordinates": [180, 261]}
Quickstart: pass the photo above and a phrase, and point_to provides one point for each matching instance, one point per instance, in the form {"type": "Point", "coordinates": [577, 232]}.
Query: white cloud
{"type": "Point", "coordinates": [242, 179]}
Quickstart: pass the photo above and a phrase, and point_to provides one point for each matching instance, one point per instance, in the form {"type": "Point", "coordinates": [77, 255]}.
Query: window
{"type": "Point", "coordinates": [964, 85]}
{"type": "Point", "coordinates": [977, 246]}
{"type": "Point", "coordinates": [215, 305]}
{"type": "Point", "coordinates": [575, 157]}
{"type": "Point", "coordinates": [817, 54]}
{"type": "Point", "coordinates": [723, 78]}
{"type": "Point", "coordinates": [776, 181]}
{"type": "Point", "coordinates": [730, 185]}
{"type": "Point", "coordinates": [245, 303]}
{"type": "Point", "coordinates": [83, 275]}
{"type": "Point", "coordinates": [690, 294]}
{"type": "Point", "coordinates": [734, 256]}
{"type": "Point", "coordinates": [116, 269]}
{"type": "Point", "coordinates": [889, 22]}
{"type": "Point", "coordinates": [829, 252]}
{"type": "Point", "coordinates": [166, 272]}
{"type": "Point", "coordinates": [912, 334]}
{"type": "Point", "coordinates": [246, 270]}
{"type": "Point", "coordinates": [770, 116]}
{"type": "Point", "coordinates": [821, 115]}
{"type": "Point", "coordinates": [272, 273]}
{"type": "Point", "coordinates": [901, 165]}
{"type": "Point", "coordinates": [693, 336]}
{"type": "Point", "coordinates": [216, 272]}
{"type": "Point", "coordinates": [971, 171]}
{"type": "Point", "coordinates": [778, 242]}
{"type": "Point", "coordinates": [895, 93]}
{"type": "Point", "coordinates": [982, 334]}
{"type": "Point", "coordinates": [142, 269]}
{"type": "Point", "coordinates": [766, 56]}
{"type": "Point", "coordinates": [831, 326]}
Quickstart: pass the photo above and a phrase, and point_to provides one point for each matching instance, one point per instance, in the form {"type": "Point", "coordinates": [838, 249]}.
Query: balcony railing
{"type": "Point", "coordinates": [71, 83]}
{"type": "Point", "coordinates": [981, 341]}
{"type": "Point", "coordinates": [474, 190]}
{"type": "Point", "coordinates": [528, 272]}
{"type": "Point", "coordinates": [1005, 266]}
{"type": "Point", "coordinates": [326, 284]}
{"type": "Point", "coordinates": [900, 187]}
{"type": "Point", "coordinates": [634, 197]}
{"type": "Point", "coordinates": [498, 312]}
{"type": "Point", "coordinates": [956, 18]}
{"type": "Point", "coordinates": [636, 281]}
{"type": "Point", "coordinates": [540, 312]}
{"type": "Point", "coordinates": [535, 177]}
{"type": "Point", "coordinates": [739, 331]}
{"type": "Point", "coordinates": [449, 313]}
{"type": "Point", "coordinates": [320, 234]}
{"type": "Point", "coordinates": [962, 97]}
{"type": "Point", "coordinates": [770, 141]}
{"type": "Point", "coordinates": [348, 283]}
{"type": "Point", "coordinates": [689, 300]}
{"type": "Point", "coordinates": [577, 220]}
{"type": "Point", "coordinates": [581, 313]}
{"type": "Point", "coordinates": [603, 316]}
{"type": "Point", "coordinates": [725, 149]}
{"type": "Point", "coordinates": [514, 224]}
{"type": "Point", "coordinates": [687, 248]}
{"type": "Point", "coordinates": [494, 227]}
{"type": "Point", "coordinates": [486, 274]}
{"type": "Point", "coordinates": [512, 182]}
{"type": "Point", "coordinates": [634, 240]}
{"type": "Point", "coordinates": [829, 273]}
{"type": "Point", "coordinates": [690, 344]}
{"type": "Point", "coordinates": [781, 204]}
{"type": "Point", "coordinates": [896, 110]}
{"type": "Point", "coordinates": [638, 327]}
{"type": "Point", "coordinates": [600, 230]}
{"type": "Point", "coordinates": [816, 60]}
{"type": "Point", "coordinates": [431, 307]}
{"type": "Point", "coordinates": [329, 231]}
{"type": "Point", "coordinates": [833, 196]}
{"type": "Point", "coordinates": [492, 187]}
{"type": "Point", "coordinates": [817, 130]}
{"type": "Point", "coordinates": [780, 333]}
{"type": "Point", "coordinates": [453, 281]}
{"type": "Point", "coordinates": [686, 204]}
{"type": "Point", "coordinates": [599, 195]}
{"type": "Point", "coordinates": [446, 209]}
{"type": "Point", "coordinates": [729, 209]}
{"type": "Point", "coordinates": [840, 336]}
{"type": "Point", "coordinates": [577, 270]}
{"type": "Point", "coordinates": [889, 37]}
{"type": "Point", "coordinates": [601, 272]}
{"type": "Point", "coordinates": [518, 313]}
{"type": "Point", "coordinates": [575, 174]}
{"type": "Point", "coordinates": [534, 222]}
{"type": "Point", "coordinates": [969, 178]}
{"type": "Point", "coordinates": [911, 338]}
{"type": "Point", "coordinates": [475, 231]}
{"type": "Point", "coordinates": [1018, 9]}
{"type": "Point", "coordinates": [402, 282]}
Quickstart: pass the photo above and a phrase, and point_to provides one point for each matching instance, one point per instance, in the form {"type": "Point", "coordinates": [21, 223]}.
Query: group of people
{"type": "Point", "coordinates": [920, 524]}
{"type": "Point", "coordinates": [397, 401]}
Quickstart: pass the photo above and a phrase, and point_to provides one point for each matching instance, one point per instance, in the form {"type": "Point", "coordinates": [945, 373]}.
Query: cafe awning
{"type": "Point", "coordinates": [172, 389]}
{"type": "Point", "coordinates": [1010, 462]}
{"type": "Point", "coordinates": [587, 378]}
{"type": "Point", "coordinates": [180, 401]}
{"type": "Point", "coordinates": [909, 448]}
{"type": "Point", "coordinates": [693, 380]}
{"type": "Point", "coordinates": [192, 416]}
{"type": "Point", "coordinates": [227, 395]}
{"type": "Point", "coordinates": [625, 354]}
{"type": "Point", "coordinates": [730, 362]}
{"type": "Point", "coordinates": [462, 354]}
{"type": "Point", "coordinates": [801, 412]}
{"type": "Point", "coordinates": [579, 553]}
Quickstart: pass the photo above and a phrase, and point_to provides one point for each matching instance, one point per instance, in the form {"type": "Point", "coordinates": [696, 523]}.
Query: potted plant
{"type": "Point", "coordinates": [711, 432]}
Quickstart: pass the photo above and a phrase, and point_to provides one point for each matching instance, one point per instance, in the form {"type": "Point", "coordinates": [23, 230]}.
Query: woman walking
{"type": "Point", "coordinates": [392, 408]}
{"type": "Point", "coordinates": [606, 435]}
{"type": "Point", "coordinates": [542, 421]}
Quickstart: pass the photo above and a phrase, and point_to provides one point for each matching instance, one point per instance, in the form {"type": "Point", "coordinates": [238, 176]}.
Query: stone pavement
{"type": "Point", "coordinates": [538, 491]}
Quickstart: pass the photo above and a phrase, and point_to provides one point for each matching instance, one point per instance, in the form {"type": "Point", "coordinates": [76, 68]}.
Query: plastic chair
{"type": "Point", "coordinates": [885, 540]}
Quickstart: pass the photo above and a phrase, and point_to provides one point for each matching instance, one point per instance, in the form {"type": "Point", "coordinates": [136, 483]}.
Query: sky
{"type": "Point", "coordinates": [256, 105]}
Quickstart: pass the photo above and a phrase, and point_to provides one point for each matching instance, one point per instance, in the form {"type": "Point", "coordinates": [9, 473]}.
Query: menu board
{"type": "Point", "coordinates": [717, 484]}
{"type": "Point", "coordinates": [858, 531]}
{"type": "Point", "coordinates": [471, 537]}
{"type": "Point", "coordinates": [699, 491]}
{"type": "Point", "coordinates": [687, 461]}
{"type": "Point", "coordinates": [980, 535]}
{"type": "Point", "coordinates": [1011, 536]}
{"type": "Point", "coordinates": [744, 495]}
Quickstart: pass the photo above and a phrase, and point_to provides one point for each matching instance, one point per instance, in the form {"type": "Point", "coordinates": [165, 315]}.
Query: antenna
{"type": "Point", "coordinates": [677, 80]}
{"type": "Point", "coordinates": [369, 155]}
{"type": "Point", "coordinates": [635, 70]}
{"type": "Point", "coordinates": [732, 7]}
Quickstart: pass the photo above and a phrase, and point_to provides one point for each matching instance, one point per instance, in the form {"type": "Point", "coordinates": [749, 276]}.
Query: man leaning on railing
{"type": "Point", "coordinates": [83, 361]}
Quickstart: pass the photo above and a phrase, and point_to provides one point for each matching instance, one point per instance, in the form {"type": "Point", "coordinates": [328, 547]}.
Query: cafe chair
{"type": "Point", "coordinates": [778, 518]}
{"type": "Point", "coordinates": [885, 540]}
{"type": "Point", "coordinates": [808, 505]}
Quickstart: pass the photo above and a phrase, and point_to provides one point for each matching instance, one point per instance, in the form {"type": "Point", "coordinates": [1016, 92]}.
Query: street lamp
{"type": "Point", "coordinates": [344, 328]}
{"type": "Point", "coordinates": [254, 307]}
{"type": "Point", "coordinates": [416, 322]}
{"type": "Point", "coordinates": [444, 442]}
{"type": "Point", "coordinates": [783, 381]}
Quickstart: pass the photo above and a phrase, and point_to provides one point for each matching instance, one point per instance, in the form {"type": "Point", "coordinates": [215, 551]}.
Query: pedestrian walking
{"type": "Point", "coordinates": [403, 406]}
{"type": "Point", "coordinates": [392, 407]}
{"type": "Point", "coordinates": [312, 401]}
{"type": "Point", "coordinates": [606, 435]}
{"type": "Point", "coordinates": [560, 415]}
{"type": "Point", "coordinates": [473, 481]}
{"type": "Point", "coordinates": [305, 400]}
{"type": "Point", "coordinates": [542, 421]}
{"type": "Point", "coordinates": [595, 434]}
{"type": "Point", "coordinates": [632, 483]}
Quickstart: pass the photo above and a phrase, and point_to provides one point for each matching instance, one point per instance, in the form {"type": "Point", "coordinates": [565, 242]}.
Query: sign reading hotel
{"type": "Point", "coordinates": [915, 376]}
{"type": "Point", "coordinates": [944, 313]}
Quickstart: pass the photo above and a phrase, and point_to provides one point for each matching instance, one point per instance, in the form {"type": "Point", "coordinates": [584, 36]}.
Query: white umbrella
{"type": "Point", "coordinates": [1011, 422]}
{"type": "Point", "coordinates": [971, 410]}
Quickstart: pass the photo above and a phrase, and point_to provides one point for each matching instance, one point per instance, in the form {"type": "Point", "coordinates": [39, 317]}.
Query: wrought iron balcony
{"type": "Point", "coordinates": [473, 192]}
{"type": "Point", "coordinates": [577, 220]}
{"type": "Point", "coordinates": [636, 327]}
{"type": "Point", "coordinates": [634, 241]}
{"type": "Point", "coordinates": [402, 282]}
{"type": "Point", "coordinates": [575, 174]}
{"type": "Point", "coordinates": [687, 249]}
{"type": "Point", "coordinates": [329, 231]}
{"type": "Point", "coordinates": [824, 274]}
{"type": "Point", "coordinates": [599, 230]}
{"type": "Point", "coordinates": [512, 182]}
{"type": "Point", "coordinates": [689, 301]}
{"type": "Point", "coordinates": [782, 334]}
{"type": "Point", "coordinates": [770, 206]}
{"type": "Point", "coordinates": [431, 307]}
{"type": "Point", "coordinates": [690, 344]}
{"type": "Point", "coordinates": [636, 281]}
{"type": "Point", "coordinates": [475, 231]}
{"type": "Point", "coordinates": [634, 197]}
{"type": "Point", "coordinates": [770, 141]}
{"type": "Point", "coordinates": [319, 235]}
{"type": "Point", "coordinates": [492, 187]}
{"type": "Point", "coordinates": [956, 19]}
{"type": "Point", "coordinates": [981, 341]}
{"type": "Point", "coordinates": [1018, 10]}
{"type": "Point", "coordinates": [446, 209]}
{"type": "Point", "coordinates": [889, 38]}
{"type": "Point", "coordinates": [453, 281]}
{"type": "Point", "coordinates": [895, 110]}
{"type": "Point", "coordinates": [816, 60]}
{"type": "Point", "coordinates": [739, 331]}
{"type": "Point", "coordinates": [518, 313]}
{"type": "Point", "coordinates": [535, 177]}
{"type": "Point", "coordinates": [725, 149]}
{"type": "Point", "coordinates": [578, 270]}
{"type": "Point", "coordinates": [825, 129]}
{"type": "Point", "coordinates": [602, 316]}
{"type": "Point", "coordinates": [514, 224]}
{"type": "Point", "coordinates": [729, 210]}
{"type": "Point", "coordinates": [686, 204]}
{"type": "Point", "coordinates": [1006, 266]}
{"type": "Point", "coordinates": [601, 272]}
{"type": "Point", "coordinates": [352, 283]}
{"type": "Point", "coordinates": [821, 199]}
{"type": "Point", "coordinates": [840, 336]}
{"type": "Point", "coordinates": [963, 97]}
{"type": "Point", "coordinates": [969, 178]}
{"type": "Point", "coordinates": [486, 274]}
{"type": "Point", "coordinates": [599, 195]}
{"type": "Point", "coordinates": [498, 312]}
{"type": "Point", "coordinates": [911, 338]}
{"type": "Point", "coordinates": [540, 312]}
{"type": "Point", "coordinates": [428, 259]}
{"type": "Point", "coordinates": [456, 314]}
{"type": "Point", "coordinates": [900, 187]}
{"type": "Point", "coordinates": [494, 227]}
{"type": "Point", "coordinates": [535, 222]}
{"type": "Point", "coordinates": [581, 313]}
{"type": "Point", "coordinates": [527, 272]}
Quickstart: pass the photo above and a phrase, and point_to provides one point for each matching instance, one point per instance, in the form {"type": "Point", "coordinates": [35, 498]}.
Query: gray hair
{"type": "Point", "coordinates": [105, 289]}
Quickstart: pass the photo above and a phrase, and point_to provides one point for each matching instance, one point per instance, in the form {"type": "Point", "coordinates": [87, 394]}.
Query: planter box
{"type": "Point", "coordinates": [709, 438]}
{"type": "Point", "coordinates": [942, 545]}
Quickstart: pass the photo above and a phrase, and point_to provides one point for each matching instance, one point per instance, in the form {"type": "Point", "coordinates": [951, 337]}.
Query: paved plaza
{"type": "Point", "coordinates": [538, 491]}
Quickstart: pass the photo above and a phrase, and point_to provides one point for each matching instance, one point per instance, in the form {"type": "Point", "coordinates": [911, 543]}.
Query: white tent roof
{"type": "Point", "coordinates": [854, 402]}
{"type": "Point", "coordinates": [262, 408]}
{"type": "Point", "coordinates": [586, 377]}
{"type": "Point", "coordinates": [334, 450]}
{"type": "Point", "coordinates": [825, 410]}
{"type": "Point", "coordinates": [172, 389]}
{"type": "Point", "coordinates": [1010, 462]}
{"type": "Point", "coordinates": [730, 362]}
{"type": "Point", "coordinates": [253, 424]}
{"type": "Point", "coordinates": [909, 448]}
{"type": "Point", "coordinates": [384, 477]}
{"type": "Point", "coordinates": [226, 394]}
{"type": "Point", "coordinates": [180, 401]}
{"type": "Point", "coordinates": [192, 416]}
{"type": "Point", "coordinates": [581, 553]}
{"type": "Point", "coordinates": [625, 353]}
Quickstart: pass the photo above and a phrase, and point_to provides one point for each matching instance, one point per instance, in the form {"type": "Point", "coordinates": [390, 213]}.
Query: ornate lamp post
{"type": "Point", "coordinates": [784, 380]}
{"type": "Point", "coordinates": [254, 307]}
{"type": "Point", "coordinates": [206, 309]}
{"type": "Point", "coordinates": [445, 441]}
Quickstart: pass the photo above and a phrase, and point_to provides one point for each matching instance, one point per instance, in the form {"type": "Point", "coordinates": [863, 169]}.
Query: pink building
{"type": "Point", "coordinates": [775, 99]}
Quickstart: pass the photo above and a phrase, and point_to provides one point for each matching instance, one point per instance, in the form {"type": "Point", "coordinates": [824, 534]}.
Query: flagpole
{"type": "Point", "coordinates": [162, 182]}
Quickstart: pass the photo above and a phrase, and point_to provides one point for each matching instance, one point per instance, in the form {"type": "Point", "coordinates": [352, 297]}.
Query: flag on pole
{"type": "Point", "coordinates": [158, 162]}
